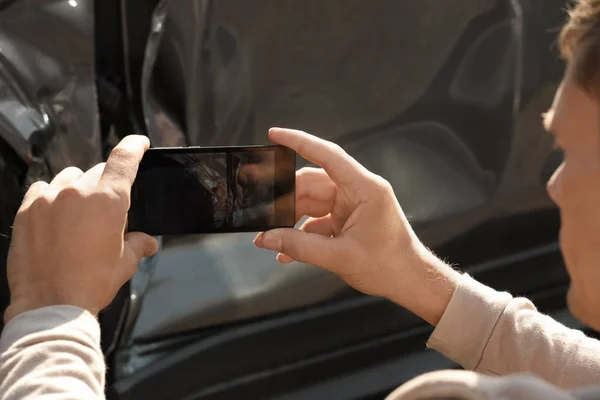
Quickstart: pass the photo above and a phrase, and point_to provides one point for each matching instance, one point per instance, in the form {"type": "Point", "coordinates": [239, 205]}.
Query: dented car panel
{"type": "Point", "coordinates": [435, 116]}
{"type": "Point", "coordinates": [443, 99]}
{"type": "Point", "coordinates": [48, 106]}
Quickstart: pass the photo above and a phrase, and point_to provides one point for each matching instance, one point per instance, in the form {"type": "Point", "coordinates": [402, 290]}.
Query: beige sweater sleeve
{"type": "Point", "coordinates": [493, 333]}
{"type": "Point", "coordinates": [469, 385]}
{"type": "Point", "coordinates": [53, 353]}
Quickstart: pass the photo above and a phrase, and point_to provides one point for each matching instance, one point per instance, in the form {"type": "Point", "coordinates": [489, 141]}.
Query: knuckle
{"type": "Point", "coordinates": [74, 170]}
{"type": "Point", "coordinates": [382, 184]}
{"type": "Point", "coordinates": [106, 195]}
{"type": "Point", "coordinates": [303, 172]}
{"type": "Point", "coordinates": [306, 173]}
{"type": "Point", "coordinates": [119, 176]}
{"type": "Point", "coordinates": [299, 246]}
{"type": "Point", "coordinates": [37, 186]}
{"type": "Point", "coordinates": [34, 191]}
{"type": "Point", "coordinates": [98, 168]}
{"type": "Point", "coordinates": [288, 246]}
{"type": "Point", "coordinates": [121, 152]}
{"type": "Point", "coordinates": [291, 250]}
{"type": "Point", "coordinates": [301, 147]}
{"type": "Point", "coordinates": [315, 171]}
{"type": "Point", "coordinates": [41, 202]}
{"type": "Point", "coordinates": [70, 193]}
{"type": "Point", "coordinates": [111, 198]}
{"type": "Point", "coordinates": [336, 148]}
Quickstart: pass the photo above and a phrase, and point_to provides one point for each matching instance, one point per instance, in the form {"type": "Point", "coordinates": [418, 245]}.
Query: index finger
{"type": "Point", "coordinates": [123, 162]}
{"type": "Point", "coordinates": [338, 164]}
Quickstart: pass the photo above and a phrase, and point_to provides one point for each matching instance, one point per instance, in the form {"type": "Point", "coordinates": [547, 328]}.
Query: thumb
{"type": "Point", "coordinates": [137, 246]}
{"type": "Point", "coordinates": [309, 248]}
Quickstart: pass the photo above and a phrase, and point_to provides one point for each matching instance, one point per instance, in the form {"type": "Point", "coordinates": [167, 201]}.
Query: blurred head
{"type": "Point", "coordinates": [574, 120]}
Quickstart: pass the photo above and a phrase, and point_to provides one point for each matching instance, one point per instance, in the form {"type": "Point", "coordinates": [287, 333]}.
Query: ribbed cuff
{"type": "Point", "coordinates": [468, 322]}
{"type": "Point", "coordinates": [72, 322]}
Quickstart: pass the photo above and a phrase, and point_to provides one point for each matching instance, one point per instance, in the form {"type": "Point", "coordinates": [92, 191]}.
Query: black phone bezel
{"type": "Point", "coordinates": [285, 206]}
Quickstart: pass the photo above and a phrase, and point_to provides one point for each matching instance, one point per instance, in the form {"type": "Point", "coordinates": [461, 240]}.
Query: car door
{"type": "Point", "coordinates": [442, 98]}
{"type": "Point", "coordinates": [48, 113]}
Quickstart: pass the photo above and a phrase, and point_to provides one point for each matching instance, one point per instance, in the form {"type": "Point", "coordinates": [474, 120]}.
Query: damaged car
{"type": "Point", "coordinates": [442, 98]}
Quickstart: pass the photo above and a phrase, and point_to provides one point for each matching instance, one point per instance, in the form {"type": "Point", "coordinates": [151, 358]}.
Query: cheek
{"type": "Point", "coordinates": [577, 194]}
{"type": "Point", "coordinates": [576, 190]}
{"type": "Point", "coordinates": [571, 187]}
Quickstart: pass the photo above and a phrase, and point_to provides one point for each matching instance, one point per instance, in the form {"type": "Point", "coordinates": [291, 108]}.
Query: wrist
{"type": "Point", "coordinates": [23, 305]}
{"type": "Point", "coordinates": [434, 286]}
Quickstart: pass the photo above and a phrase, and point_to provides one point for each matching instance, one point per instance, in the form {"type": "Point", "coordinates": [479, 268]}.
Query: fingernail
{"type": "Point", "coordinates": [142, 138]}
{"type": "Point", "coordinates": [284, 259]}
{"type": "Point", "coordinates": [272, 241]}
{"type": "Point", "coordinates": [258, 240]}
{"type": "Point", "coordinates": [152, 247]}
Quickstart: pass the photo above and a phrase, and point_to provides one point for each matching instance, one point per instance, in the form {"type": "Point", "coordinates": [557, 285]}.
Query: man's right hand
{"type": "Point", "coordinates": [358, 230]}
{"type": "Point", "coordinates": [68, 245]}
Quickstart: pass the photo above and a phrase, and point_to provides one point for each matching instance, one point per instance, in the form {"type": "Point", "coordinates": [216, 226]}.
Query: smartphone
{"type": "Point", "coordinates": [188, 190]}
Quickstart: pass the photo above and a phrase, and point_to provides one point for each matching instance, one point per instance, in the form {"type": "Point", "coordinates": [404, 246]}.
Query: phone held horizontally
{"type": "Point", "coordinates": [188, 190]}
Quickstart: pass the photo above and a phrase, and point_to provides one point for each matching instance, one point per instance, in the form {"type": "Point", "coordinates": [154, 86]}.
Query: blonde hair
{"type": "Point", "coordinates": [579, 44]}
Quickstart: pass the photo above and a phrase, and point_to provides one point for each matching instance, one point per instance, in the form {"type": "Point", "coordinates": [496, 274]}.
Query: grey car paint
{"type": "Point", "coordinates": [48, 111]}
{"type": "Point", "coordinates": [266, 69]}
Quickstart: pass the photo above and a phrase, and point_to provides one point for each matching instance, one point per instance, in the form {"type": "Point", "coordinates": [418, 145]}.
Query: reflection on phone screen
{"type": "Point", "coordinates": [203, 192]}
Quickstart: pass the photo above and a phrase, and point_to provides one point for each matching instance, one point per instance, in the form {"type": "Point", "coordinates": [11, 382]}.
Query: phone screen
{"type": "Point", "coordinates": [213, 190]}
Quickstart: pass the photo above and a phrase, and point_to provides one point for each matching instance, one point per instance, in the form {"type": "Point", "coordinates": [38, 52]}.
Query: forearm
{"type": "Point", "coordinates": [492, 332]}
{"type": "Point", "coordinates": [438, 281]}
{"type": "Point", "coordinates": [53, 352]}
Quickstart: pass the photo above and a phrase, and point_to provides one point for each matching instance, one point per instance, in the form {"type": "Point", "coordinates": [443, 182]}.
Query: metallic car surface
{"type": "Point", "coordinates": [442, 100]}
{"type": "Point", "coordinates": [48, 114]}
{"type": "Point", "coordinates": [47, 84]}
